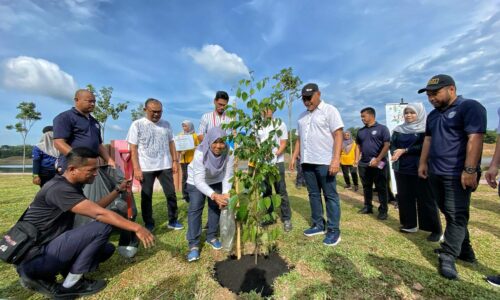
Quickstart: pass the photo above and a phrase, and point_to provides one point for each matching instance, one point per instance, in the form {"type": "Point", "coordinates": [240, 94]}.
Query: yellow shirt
{"type": "Point", "coordinates": [188, 155]}
{"type": "Point", "coordinates": [348, 158]}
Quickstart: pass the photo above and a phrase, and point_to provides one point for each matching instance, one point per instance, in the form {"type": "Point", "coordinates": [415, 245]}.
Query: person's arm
{"type": "Point", "coordinates": [424, 156]}
{"type": "Point", "coordinates": [472, 156]}
{"type": "Point", "coordinates": [135, 162]}
{"type": "Point", "coordinates": [295, 154]}
{"type": "Point", "coordinates": [199, 175]}
{"type": "Point", "coordinates": [337, 148]}
{"type": "Point", "coordinates": [491, 174]}
{"type": "Point", "coordinates": [374, 162]}
{"type": "Point", "coordinates": [226, 184]}
{"type": "Point", "coordinates": [106, 200]}
{"type": "Point", "coordinates": [202, 129]}
{"type": "Point", "coordinates": [37, 161]}
{"type": "Point", "coordinates": [175, 158]}
{"type": "Point", "coordinates": [357, 156]}
{"type": "Point", "coordinates": [103, 152]}
{"type": "Point", "coordinates": [62, 146]}
{"type": "Point", "coordinates": [396, 152]}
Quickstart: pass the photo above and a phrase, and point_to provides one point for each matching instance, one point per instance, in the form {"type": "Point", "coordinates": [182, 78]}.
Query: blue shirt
{"type": "Point", "coordinates": [371, 141]}
{"type": "Point", "coordinates": [449, 129]}
{"type": "Point", "coordinates": [408, 162]}
{"type": "Point", "coordinates": [42, 162]}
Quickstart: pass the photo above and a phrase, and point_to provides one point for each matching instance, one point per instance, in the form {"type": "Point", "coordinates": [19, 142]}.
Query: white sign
{"type": "Point", "coordinates": [184, 142]}
{"type": "Point", "coordinates": [394, 115]}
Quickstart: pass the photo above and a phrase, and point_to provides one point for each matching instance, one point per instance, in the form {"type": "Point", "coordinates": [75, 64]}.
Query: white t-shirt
{"type": "Point", "coordinates": [152, 140]}
{"type": "Point", "coordinates": [263, 135]}
{"type": "Point", "coordinates": [315, 132]}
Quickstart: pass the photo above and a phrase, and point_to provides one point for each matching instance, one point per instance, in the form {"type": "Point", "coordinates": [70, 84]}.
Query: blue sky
{"type": "Point", "coordinates": [361, 52]}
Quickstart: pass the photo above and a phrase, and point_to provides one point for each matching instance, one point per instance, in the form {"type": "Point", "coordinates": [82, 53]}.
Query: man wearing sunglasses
{"type": "Point", "coordinates": [450, 159]}
{"type": "Point", "coordinates": [319, 144]}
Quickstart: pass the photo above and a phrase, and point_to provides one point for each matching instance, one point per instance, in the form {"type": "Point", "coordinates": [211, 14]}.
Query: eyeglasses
{"type": "Point", "coordinates": [306, 98]}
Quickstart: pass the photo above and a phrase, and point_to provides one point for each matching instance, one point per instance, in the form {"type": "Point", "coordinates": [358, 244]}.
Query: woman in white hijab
{"type": "Point", "coordinates": [416, 200]}
{"type": "Point", "coordinates": [44, 158]}
{"type": "Point", "coordinates": [187, 156]}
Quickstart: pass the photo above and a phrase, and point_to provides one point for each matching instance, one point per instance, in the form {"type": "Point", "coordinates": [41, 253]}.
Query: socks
{"type": "Point", "coordinates": [71, 279]}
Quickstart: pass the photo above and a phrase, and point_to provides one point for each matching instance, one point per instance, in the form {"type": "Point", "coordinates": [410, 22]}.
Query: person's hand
{"type": "Point", "coordinates": [124, 185]}
{"type": "Point", "coordinates": [291, 165]}
{"type": "Point", "coordinates": [422, 170]}
{"type": "Point", "coordinates": [374, 162]}
{"type": "Point", "coordinates": [355, 164]}
{"type": "Point", "coordinates": [219, 199]}
{"type": "Point", "coordinates": [111, 163]}
{"type": "Point", "coordinates": [175, 167]}
{"type": "Point", "coordinates": [138, 175]}
{"type": "Point", "coordinates": [397, 154]}
{"type": "Point", "coordinates": [491, 176]}
{"type": "Point", "coordinates": [334, 167]}
{"type": "Point", "coordinates": [469, 180]}
{"type": "Point", "coordinates": [146, 237]}
{"type": "Point", "coordinates": [37, 180]}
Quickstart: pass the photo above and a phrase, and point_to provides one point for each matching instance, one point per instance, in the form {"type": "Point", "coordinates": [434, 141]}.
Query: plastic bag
{"type": "Point", "coordinates": [227, 227]}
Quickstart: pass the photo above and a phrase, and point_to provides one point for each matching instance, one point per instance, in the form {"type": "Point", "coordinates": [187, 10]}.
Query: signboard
{"type": "Point", "coordinates": [184, 142]}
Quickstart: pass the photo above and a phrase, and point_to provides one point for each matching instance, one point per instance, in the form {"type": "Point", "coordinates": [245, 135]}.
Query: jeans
{"type": "Point", "coordinates": [453, 201]}
{"type": "Point", "coordinates": [317, 180]}
{"type": "Point", "coordinates": [369, 176]}
{"type": "Point", "coordinates": [167, 183]}
{"type": "Point", "coordinates": [349, 169]}
{"type": "Point", "coordinates": [299, 180]}
{"type": "Point", "coordinates": [185, 194]}
{"type": "Point", "coordinates": [195, 212]}
{"type": "Point", "coordinates": [280, 188]}
{"type": "Point", "coordinates": [77, 251]}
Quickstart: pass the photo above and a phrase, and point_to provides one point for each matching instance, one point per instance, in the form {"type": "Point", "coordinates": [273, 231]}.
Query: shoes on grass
{"type": "Point", "coordinates": [408, 230]}
{"type": "Point", "coordinates": [332, 238]}
{"type": "Point", "coordinates": [175, 225]}
{"type": "Point", "coordinates": [366, 210]}
{"type": "Point", "coordinates": [287, 225]}
{"type": "Point", "coordinates": [313, 231]}
{"type": "Point", "coordinates": [216, 245]}
{"type": "Point", "coordinates": [194, 254]}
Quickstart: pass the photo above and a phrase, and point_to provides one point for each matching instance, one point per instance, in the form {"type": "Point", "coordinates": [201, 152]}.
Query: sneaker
{"type": "Point", "coordinates": [468, 256]}
{"type": "Point", "coordinates": [194, 254]}
{"type": "Point", "coordinates": [434, 237]}
{"type": "Point", "coordinates": [332, 238]}
{"type": "Point", "coordinates": [494, 280]}
{"type": "Point", "coordinates": [175, 225]}
{"type": "Point", "coordinates": [47, 288]}
{"type": "Point", "coordinates": [382, 216]}
{"type": "Point", "coordinates": [366, 210]}
{"type": "Point", "coordinates": [150, 226]}
{"type": "Point", "coordinates": [82, 287]}
{"type": "Point", "coordinates": [313, 231]}
{"type": "Point", "coordinates": [447, 266]}
{"type": "Point", "coordinates": [287, 225]}
{"type": "Point", "coordinates": [215, 244]}
{"type": "Point", "coordinates": [408, 230]}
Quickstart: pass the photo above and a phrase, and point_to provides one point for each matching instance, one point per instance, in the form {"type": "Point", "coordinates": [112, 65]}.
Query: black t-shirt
{"type": "Point", "coordinates": [50, 211]}
{"type": "Point", "coordinates": [371, 141]}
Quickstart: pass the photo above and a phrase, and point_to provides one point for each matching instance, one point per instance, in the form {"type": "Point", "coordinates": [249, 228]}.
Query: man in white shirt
{"type": "Point", "coordinates": [214, 118]}
{"type": "Point", "coordinates": [280, 137]}
{"type": "Point", "coordinates": [319, 143]}
{"type": "Point", "coordinates": [154, 156]}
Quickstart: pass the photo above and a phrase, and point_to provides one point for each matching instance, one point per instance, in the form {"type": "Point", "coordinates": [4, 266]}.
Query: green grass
{"type": "Point", "coordinates": [373, 261]}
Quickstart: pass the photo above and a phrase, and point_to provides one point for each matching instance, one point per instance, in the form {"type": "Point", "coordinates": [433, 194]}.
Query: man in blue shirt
{"type": "Point", "coordinates": [374, 141]}
{"type": "Point", "coordinates": [450, 159]}
{"type": "Point", "coordinates": [77, 128]}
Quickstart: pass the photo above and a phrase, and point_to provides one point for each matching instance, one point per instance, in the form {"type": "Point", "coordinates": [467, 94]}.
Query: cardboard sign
{"type": "Point", "coordinates": [184, 142]}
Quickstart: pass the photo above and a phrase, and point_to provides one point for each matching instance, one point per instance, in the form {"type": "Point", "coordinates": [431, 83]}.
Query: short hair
{"type": "Point", "coordinates": [221, 95]}
{"type": "Point", "coordinates": [151, 100]}
{"type": "Point", "coordinates": [81, 91]}
{"type": "Point", "coordinates": [79, 156]}
{"type": "Point", "coordinates": [369, 110]}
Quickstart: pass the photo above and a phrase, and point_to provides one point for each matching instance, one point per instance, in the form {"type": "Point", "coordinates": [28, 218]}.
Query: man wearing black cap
{"type": "Point", "coordinates": [450, 159]}
{"type": "Point", "coordinates": [320, 143]}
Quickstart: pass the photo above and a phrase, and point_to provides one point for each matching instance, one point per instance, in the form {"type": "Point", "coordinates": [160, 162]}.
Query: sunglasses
{"type": "Point", "coordinates": [306, 98]}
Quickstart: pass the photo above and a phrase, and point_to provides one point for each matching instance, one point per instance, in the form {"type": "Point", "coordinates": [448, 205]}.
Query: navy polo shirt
{"type": "Point", "coordinates": [449, 129]}
{"type": "Point", "coordinates": [78, 130]}
{"type": "Point", "coordinates": [371, 141]}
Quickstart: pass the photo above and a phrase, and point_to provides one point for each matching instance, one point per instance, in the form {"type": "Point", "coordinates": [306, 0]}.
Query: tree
{"type": "Point", "coordinates": [104, 108]}
{"type": "Point", "coordinates": [490, 137]}
{"type": "Point", "coordinates": [138, 112]}
{"type": "Point", "coordinates": [249, 206]}
{"type": "Point", "coordinates": [27, 116]}
{"type": "Point", "coordinates": [290, 88]}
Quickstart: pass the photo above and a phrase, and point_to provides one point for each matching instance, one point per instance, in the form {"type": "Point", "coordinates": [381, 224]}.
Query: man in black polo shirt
{"type": "Point", "coordinates": [450, 158]}
{"type": "Point", "coordinates": [67, 251]}
{"type": "Point", "coordinates": [78, 128]}
{"type": "Point", "coordinates": [374, 141]}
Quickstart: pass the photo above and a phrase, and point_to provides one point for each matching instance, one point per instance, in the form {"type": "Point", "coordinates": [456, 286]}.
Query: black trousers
{"type": "Point", "coordinates": [185, 194]}
{"type": "Point", "coordinates": [299, 180]}
{"type": "Point", "coordinates": [454, 202]}
{"type": "Point", "coordinates": [417, 203]}
{"type": "Point", "coordinates": [370, 176]}
{"type": "Point", "coordinates": [280, 188]}
{"type": "Point", "coordinates": [167, 183]}
{"type": "Point", "coordinates": [353, 171]}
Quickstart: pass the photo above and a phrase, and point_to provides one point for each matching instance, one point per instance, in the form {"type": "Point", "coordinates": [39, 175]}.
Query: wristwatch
{"type": "Point", "coordinates": [470, 170]}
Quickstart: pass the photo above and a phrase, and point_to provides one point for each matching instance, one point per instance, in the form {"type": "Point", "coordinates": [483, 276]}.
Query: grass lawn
{"type": "Point", "coordinates": [373, 261]}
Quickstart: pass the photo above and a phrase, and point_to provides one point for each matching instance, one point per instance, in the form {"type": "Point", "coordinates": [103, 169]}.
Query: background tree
{"type": "Point", "coordinates": [26, 117]}
{"type": "Point", "coordinates": [104, 108]}
{"type": "Point", "coordinates": [138, 112]}
{"type": "Point", "coordinates": [289, 85]}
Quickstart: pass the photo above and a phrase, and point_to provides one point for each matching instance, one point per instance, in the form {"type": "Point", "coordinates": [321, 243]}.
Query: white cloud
{"type": "Point", "coordinates": [38, 76]}
{"type": "Point", "coordinates": [116, 127]}
{"type": "Point", "coordinates": [216, 60]}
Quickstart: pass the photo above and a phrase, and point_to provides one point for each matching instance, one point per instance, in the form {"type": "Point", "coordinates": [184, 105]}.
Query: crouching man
{"type": "Point", "coordinates": [66, 251]}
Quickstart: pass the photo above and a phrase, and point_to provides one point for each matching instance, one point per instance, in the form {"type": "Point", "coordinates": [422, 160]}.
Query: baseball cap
{"type": "Point", "coordinates": [437, 82]}
{"type": "Point", "coordinates": [309, 89]}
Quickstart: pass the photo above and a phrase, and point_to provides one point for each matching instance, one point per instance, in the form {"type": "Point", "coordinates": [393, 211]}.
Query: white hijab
{"type": "Point", "coordinates": [47, 144]}
{"type": "Point", "coordinates": [418, 125]}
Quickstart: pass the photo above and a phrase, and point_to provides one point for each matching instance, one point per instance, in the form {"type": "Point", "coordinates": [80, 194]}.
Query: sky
{"type": "Point", "coordinates": [360, 53]}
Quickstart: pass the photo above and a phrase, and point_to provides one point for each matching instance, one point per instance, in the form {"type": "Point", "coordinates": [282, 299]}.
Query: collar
{"type": "Point", "coordinates": [457, 102]}
{"type": "Point", "coordinates": [374, 124]}
{"type": "Point", "coordinates": [76, 111]}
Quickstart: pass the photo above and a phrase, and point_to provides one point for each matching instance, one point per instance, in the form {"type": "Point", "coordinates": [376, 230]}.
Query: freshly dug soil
{"type": "Point", "coordinates": [244, 275]}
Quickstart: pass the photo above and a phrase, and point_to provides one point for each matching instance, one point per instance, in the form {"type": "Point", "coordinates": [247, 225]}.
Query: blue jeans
{"type": "Point", "coordinates": [195, 211]}
{"type": "Point", "coordinates": [317, 180]}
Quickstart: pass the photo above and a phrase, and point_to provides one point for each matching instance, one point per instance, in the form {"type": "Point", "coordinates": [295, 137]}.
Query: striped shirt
{"type": "Point", "coordinates": [210, 120]}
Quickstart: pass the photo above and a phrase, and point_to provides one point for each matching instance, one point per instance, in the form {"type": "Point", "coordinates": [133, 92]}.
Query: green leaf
{"type": "Point", "coordinates": [267, 202]}
{"type": "Point", "coordinates": [232, 202]}
{"type": "Point", "coordinates": [276, 201]}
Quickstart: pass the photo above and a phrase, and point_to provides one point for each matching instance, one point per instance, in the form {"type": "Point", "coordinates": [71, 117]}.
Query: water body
{"type": "Point", "coordinates": [15, 168]}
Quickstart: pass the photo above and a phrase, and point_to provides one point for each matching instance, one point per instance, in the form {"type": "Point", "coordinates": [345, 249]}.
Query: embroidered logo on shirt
{"type": "Point", "coordinates": [452, 114]}
{"type": "Point", "coordinates": [97, 126]}
{"type": "Point", "coordinates": [374, 132]}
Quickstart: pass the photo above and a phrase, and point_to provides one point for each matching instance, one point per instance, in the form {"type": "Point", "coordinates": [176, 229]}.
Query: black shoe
{"type": "Point", "coordinates": [81, 288]}
{"type": "Point", "coordinates": [468, 256]}
{"type": "Point", "coordinates": [150, 226]}
{"type": "Point", "coordinates": [434, 237]}
{"type": "Point", "coordinates": [382, 216]}
{"type": "Point", "coordinates": [356, 188]}
{"type": "Point", "coordinates": [494, 280]}
{"type": "Point", "coordinates": [366, 210]}
{"type": "Point", "coordinates": [347, 186]}
{"type": "Point", "coordinates": [287, 225]}
{"type": "Point", "coordinates": [447, 266]}
{"type": "Point", "coordinates": [267, 222]}
{"type": "Point", "coordinates": [45, 287]}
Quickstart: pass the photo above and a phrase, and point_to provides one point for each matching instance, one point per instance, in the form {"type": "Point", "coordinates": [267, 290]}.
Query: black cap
{"type": "Point", "coordinates": [47, 128]}
{"type": "Point", "coordinates": [309, 89]}
{"type": "Point", "coordinates": [437, 82]}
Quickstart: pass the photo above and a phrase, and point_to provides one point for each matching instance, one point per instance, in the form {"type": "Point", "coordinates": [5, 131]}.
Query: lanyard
{"type": "Point", "coordinates": [214, 116]}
